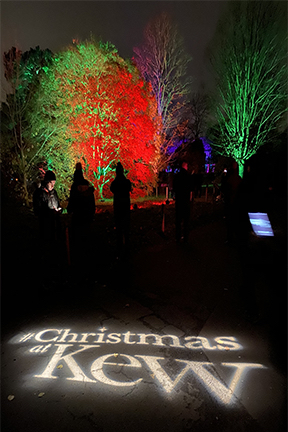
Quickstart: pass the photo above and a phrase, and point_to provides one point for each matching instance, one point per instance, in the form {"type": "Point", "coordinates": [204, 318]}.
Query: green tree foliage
{"type": "Point", "coordinates": [249, 58]}
{"type": "Point", "coordinates": [19, 155]}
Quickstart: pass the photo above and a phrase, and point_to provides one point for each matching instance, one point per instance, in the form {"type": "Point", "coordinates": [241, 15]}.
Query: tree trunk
{"type": "Point", "coordinates": [241, 168]}
{"type": "Point", "coordinates": [26, 195]}
{"type": "Point", "coordinates": [24, 176]}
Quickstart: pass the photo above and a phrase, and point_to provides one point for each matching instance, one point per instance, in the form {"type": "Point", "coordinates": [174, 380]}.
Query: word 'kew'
{"type": "Point", "coordinates": [152, 363]}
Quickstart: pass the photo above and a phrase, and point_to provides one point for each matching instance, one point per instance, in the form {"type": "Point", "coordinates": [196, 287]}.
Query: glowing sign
{"type": "Point", "coordinates": [62, 347]}
{"type": "Point", "coordinates": [261, 224]}
{"type": "Point", "coordinates": [190, 342]}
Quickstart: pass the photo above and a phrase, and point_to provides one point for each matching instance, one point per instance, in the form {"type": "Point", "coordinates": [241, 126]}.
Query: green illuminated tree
{"type": "Point", "coordinates": [250, 62]}
{"type": "Point", "coordinates": [162, 61]}
{"type": "Point", "coordinates": [19, 155]}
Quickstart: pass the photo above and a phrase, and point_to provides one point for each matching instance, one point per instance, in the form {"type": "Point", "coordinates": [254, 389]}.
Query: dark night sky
{"type": "Point", "coordinates": [53, 25]}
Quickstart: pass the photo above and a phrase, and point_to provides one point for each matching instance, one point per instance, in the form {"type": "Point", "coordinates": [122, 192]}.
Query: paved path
{"type": "Point", "coordinates": [159, 343]}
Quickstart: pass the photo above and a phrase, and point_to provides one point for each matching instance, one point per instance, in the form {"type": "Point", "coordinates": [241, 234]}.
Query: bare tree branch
{"type": "Point", "coordinates": [162, 61]}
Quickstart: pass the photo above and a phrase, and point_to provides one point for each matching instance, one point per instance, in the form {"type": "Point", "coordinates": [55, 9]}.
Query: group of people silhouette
{"type": "Point", "coordinates": [81, 207]}
{"type": "Point", "coordinates": [238, 197]}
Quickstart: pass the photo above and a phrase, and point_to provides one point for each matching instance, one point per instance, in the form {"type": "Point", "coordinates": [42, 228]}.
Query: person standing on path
{"type": "Point", "coordinates": [121, 188]}
{"type": "Point", "coordinates": [182, 187]}
{"type": "Point", "coordinates": [81, 202]}
{"type": "Point", "coordinates": [231, 188]}
{"type": "Point", "coordinates": [47, 208]}
{"type": "Point", "coordinates": [82, 208]}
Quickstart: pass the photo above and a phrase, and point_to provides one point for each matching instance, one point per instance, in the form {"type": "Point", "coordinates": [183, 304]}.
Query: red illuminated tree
{"type": "Point", "coordinates": [108, 115]}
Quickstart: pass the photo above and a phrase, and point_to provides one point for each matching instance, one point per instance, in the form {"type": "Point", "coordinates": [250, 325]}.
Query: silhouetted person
{"type": "Point", "coordinates": [247, 252]}
{"type": "Point", "coordinates": [263, 189]}
{"type": "Point", "coordinates": [121, 188]}
{"type": "Point", "coordinates": [248, 188]}
{"type": "Point", "coordinates": [82, 207]}
{"type": "Point", "coordinates": [231, 191]}
{"type": "Point", "coordinates": [81, 202]}
{"type": "Point", "coordinates": [197, 184]}
{"type": "Point", "coordinates": [182, 187]}
{"type": "Point", "coordinates": [193, 182]}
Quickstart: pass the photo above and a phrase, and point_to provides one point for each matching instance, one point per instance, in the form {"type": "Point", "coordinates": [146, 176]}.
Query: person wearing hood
{"type": "Point", "coordinates": [81, 202]}
{"type": "Point", "coordinates": [182, 187]}
{"type": "Point", "coordinates": [81, 207]}
{"type": "Point", "coordinates": [121, 188]}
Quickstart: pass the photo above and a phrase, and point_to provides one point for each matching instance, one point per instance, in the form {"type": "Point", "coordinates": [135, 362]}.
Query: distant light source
{"type": "Point", "coordinates": [261, 224]}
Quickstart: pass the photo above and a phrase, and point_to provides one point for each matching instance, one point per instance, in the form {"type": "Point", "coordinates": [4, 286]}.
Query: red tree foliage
{"type": "Point", "coordinates": [112, 117]}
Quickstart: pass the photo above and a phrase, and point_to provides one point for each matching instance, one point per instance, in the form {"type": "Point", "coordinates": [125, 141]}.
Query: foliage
{"type": "Point", "coordinates": [250, 61]}
{"type": "Point", "coordinates": [19, 156]}
{"type": "Point", "coordinates": [162, 61]}
{"type": "Point", "coordinates": [103, 113]}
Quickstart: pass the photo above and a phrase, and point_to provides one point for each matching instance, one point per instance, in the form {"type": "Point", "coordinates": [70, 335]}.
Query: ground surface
{"type": "Point", "coordinates": [76, 354]}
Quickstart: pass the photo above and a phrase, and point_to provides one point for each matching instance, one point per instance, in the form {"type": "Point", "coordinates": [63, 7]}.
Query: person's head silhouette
{"type": "Point", "coordinates": [119, 169]}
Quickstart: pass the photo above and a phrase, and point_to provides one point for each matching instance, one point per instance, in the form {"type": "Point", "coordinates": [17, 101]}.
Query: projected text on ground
{"type": "Point", "coordinates": [64, 348]}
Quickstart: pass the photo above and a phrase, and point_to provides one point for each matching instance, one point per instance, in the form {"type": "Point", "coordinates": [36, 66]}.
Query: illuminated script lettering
{"type": "Point", "coordinates": [63, 348]}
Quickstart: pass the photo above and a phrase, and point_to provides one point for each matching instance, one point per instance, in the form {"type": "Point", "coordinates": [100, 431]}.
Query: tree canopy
{"type": "Point", "coordinates": [93, 107]}
{"type": "Point", "coordinates": [162, 61]}
{"type": "Point", "coordinates": [19, 157]}
{"type": "Point", "coordinates": [249, 59]}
